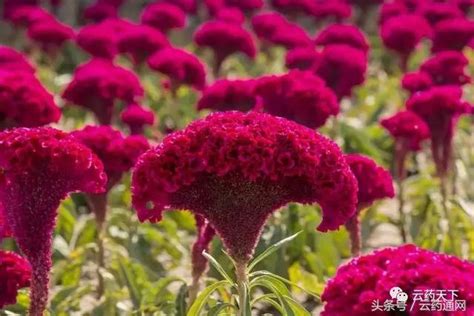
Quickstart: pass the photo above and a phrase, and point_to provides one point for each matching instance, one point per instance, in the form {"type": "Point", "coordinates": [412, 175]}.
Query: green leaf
{"type": "Point", "coordinates": [218, 267]}
{"type": "Point", "coordinates": [269, 299]}
{"type": "Point", "coordinates": [129, 278]}
{"type": "Point", "coordinates": [271, 250]}
{"type": "Point", "coordinates": [202, 299]}
{"type": "Point", "coordinates": [281, 279]}
{"type": "Point", "coordinates": [181, 305]}
{"type": "Point", "coordinates": [220, 308]}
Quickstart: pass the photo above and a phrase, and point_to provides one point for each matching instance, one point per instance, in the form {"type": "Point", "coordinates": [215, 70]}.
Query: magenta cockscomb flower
{"type": "Point", "coordinates": [5, 230]}
{"type": "Point", "coordinates": [291, 36]}
{"type": "Point", "coordinates": [452, 34]}
{"type": "Point", "coordinates": [182, 67]}
{"type": "Point", "coordinates": [235, 169]}
{"type": "Point", "coordinates": [230, 15]}
{"type": "Point", "coordinates": [408, 130]}
{"type": "Point", "coordinates": [343, 34]}
{"type": "Point", "coordinates": [447, 68]}
{"type": "Point", "coordinates": [374, 183]}
{"type": "Point", "coordinates": [15, 273]}
{"type": "Point", "coordinates": [228, 95]}
{"type": "Point", "coordinates": [50, 36]}
{"type": "Point", "coordinates": [163, 16]}
{"type": "Point", "coordinates": [416, 81]}
{"type": "Point", "coordinates": [99, 40]}
{"type": "Point", "coordinates": [403, 33]}
{"type": "Point", "coordinates": [13, 60]}
{"type": "Point", "coordinates": [140, 42]}
{"type": "Point", "coordinates": [27, 15]}
{"type": "Point", "coordinates": [294, 7]}
{"type": "Point", "coordinates": [299, 96]}
{"type": "Point", "coordinates": [24, 101]}
{"type": "Point", "coordinates": [391, 9]}
{"type": "Point", "coordinates": [98, 84]}
{"type": "Point", "coordinates": [369, 278]}
{"type": "Point", "coordinates": [11, 5]}
{"type": "Point", "coordinates": [302, 58]}
{"type": "Point", "coordinates": [334, 9]}
{"type": "Point", "coordinates": [188, 6]}
{"type": "Point", "coordinates": [100, 11]}
{"type": "Point", "coordinates": [440, 108]}
{"type": "Point", "coordinates": [117, 153]}
{"type": "Point", "coordinates": [40, 166]}
{"type": "Point", "coordinates": [137, 117]}
{"type": "Point", "coordinates": [224, 39]}
{"type": "Point", "coordinates": [342, 67]}
{"type": "Point", "coordinates": [265, 25]}
{"type": "Point", "coordinates": [435, 12]}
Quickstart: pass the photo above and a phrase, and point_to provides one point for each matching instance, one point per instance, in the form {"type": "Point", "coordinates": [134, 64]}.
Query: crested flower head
{"type": "Point", "coordinates": [100, 11]}
{"type": "Point", "coordinates": [391, 9]}
{"type": "Point", "coordinates": [205, 233]}
{"type": "Point", "coordinates": [416, 81]}
{"type": "Point", "coordinates": [40, 166]}
{"type": "Point", "coordinates": [225, 39]}
{"type": "Point", "coordinates": [15, 273]}
{"type": "Point", "coordinates": [182, 67]}
{"type": "Point", "coordinates": [435, 12]}
{"type": "Point", "coordinates": [24, 101]}
{"type": "Point", "coordinates": [163, 16]}
{"type": "Point", "coordinates": [291, 36]}
{"type": "Point", "coordinates": [27, 15]}
{"type": "Point", "coordinates": [244, 5]}
{"type": "Point", "coordinates": [265, 25]}
{"type": "Point", "coordinates": [343, 34]}
{"type": "Point", "coordinates": [98, 84]}
{"type": "Point", "coordinates": [447, 68]}
{"type": "Point", "coordinates": [440, 108]}
{"type": "Point", "coordinates": [300, 96]}
{"type": "Point", "coordinates": [302, 58]}
{"type": "Point", "coordinates": [407, 128]}
{"type": "Point", "coordinates": [99, 40]}
{"type": "Point", "coordinates": [188, 6]}
{"type": "Point", "coordinates": [342, 67]}
{"type": "Point", "coordinates": [117, 152]}
{"type": "Point", "coordinates": [230, 15]}
{"type": "Point", "coordinates": [11, 59]}
{"type": "Point", "coordinates": [452, 34]}
{"type": "Point", "coordinates": [136, 117]}
{"type": "Point", "coordinates": [374, 182]}
{"type": "Point", "coordinates": [50, 35]}
{"type": "Point", "coordinates": [370, 277]}
{"type": "Point", "coordinates": [140, 42]}
{"type": "Point", "coordinates": [403, 33]}
{"type": "Point", "coordinates": [231, 167]}
{"type": "Point", "coordinates": [5, 230]}
{"type": "Point", "coordinates": [292, 7]}
{"type": "Point", "coordinates": [226, 95]}
{"type": "Point", "coordinates": [334, 9]}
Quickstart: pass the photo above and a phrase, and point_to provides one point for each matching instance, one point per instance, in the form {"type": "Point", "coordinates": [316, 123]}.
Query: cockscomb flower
{"type": "Point", "coordinates": [336, 10]}
{"type": "Point", "coordinates": [11, 59]}
{"type": "Point", "coordinates": [100, 11]}
{"type": "Point", "coordinates": [188, 6]}
{"type": "Point", "coordinates": [403, 33]}
{"type": "Point", "coordinates": [227, 95]}
{"type": "Point", "coordinates": [302, 58]}
{"type": "Point", "coordinates": [294, 7]}
{"type": "Point", "coordinates": [136, 117]}
{"type": "Point", "coordinates": [10, 5]}
{"type": "Point", "coordinates": [5, 230]}
{"type": "Point", "coordinates": [140, 42]}
{"type": "Point", "coordinates": [452, 34]}
{"type": "Point", "coordinates": [182, 67]}
{"type": "Point", "coordinates": [416, 81]}
{"type": "Point", "coordinates": [205, 234]}
{"type": "Point", "coordinates": [40, 167]}
{"type": "Point", "coordinates": [374, 183]}
{"type": "Point", "coordinates": [24, 101]}
{"type": "Point", "coordinates": [117, 153]}
{"type": "Point", "coordinates": [235, 169]}
{"type": "Point", "coordinates": [465, 5]}
{"type": "Point", "coordinates": [291, 36]}
{"type": "Point", "coordinates": [299, 96]}
{"type": "Point", "coordinates": [435, 12]}
{"type": "Point", "coordinates": [50, 35]}
{"type": "Point", "coordinates": [440, 108]}
{"type": "Point", "coordinates": [27, 15]}
{"type": "Point", "coordinates": [98, 84]}
{"type": "Point", "coordinates": [343, 34]}
{"type": "Point", "coordinates": [342, 67]}
{"type": "Point", "coordinates": [230, 15]}
{"type": "Point", "coordinates": [370, 278]}
{"type": "Point", "coordinates": [446, 68]}
{"type": "Point", "coordinates": [224, 39]}
{"type": "Point", "coordinates": [265, 25]}
{"type": "Point", "coordinates": [15, 273]}
{"type": "Point", "coordinates": [99, 40]}
{"type": "Point", "coordinates": [163, 16]}
{"type": "Point", "coordinates": [391, 9]}
{"type": "Point", "coordinates": [409, 131]}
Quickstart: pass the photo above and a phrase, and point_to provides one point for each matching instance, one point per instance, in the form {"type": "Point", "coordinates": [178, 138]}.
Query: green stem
{"type": "Point", "coordinates": [242, 280]}
{"type": "Point", "coordinates": [100, 260]}
{"type": "Point", "coordinates": [446, 213]}
{"type": "Point", "coordinates": [401, 209]}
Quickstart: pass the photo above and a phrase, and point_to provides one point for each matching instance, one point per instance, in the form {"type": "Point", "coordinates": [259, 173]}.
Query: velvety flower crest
{"type": "Point", "coordinates": [416, 81]}
{"type": "Point", "coordinates": [231, 167]}
{"type": "Point", "coordinates": [12, 60]}
{"type": "Point", "coordinates": [447, 68]}
{"type": "Point", "coordinates": [163, 16]}
{"type": "Point", "coordinates": [50, 35]}
{"type": "Point", "coordinates": [302, 58]}
{"type": "Point", "coordinates": [343, 34]}
{"type": "Point", "coordinates": [136, 117]}
{"type": "Point", "coordinates": [452, 34]}
{"type": "Point", "coordinates": [227, 95]}
{"type": "Point", "coordinates": [15, 273]}
{"type": "Point", "coordinates": [407, 128]}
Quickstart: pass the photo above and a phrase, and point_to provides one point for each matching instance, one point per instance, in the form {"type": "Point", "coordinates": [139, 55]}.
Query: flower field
{"type": "Point", "coordinates": [224, 157]}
